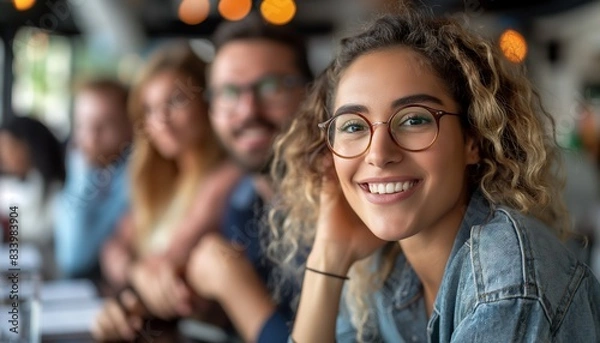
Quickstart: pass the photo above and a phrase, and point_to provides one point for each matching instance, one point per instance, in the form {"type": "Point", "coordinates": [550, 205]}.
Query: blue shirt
{"type": "Point", "coordinates": [89, 208]}
{"type": "Point", "coordinates": [243, 226]}
{"type": "Point", "coordinates": [508, 279]}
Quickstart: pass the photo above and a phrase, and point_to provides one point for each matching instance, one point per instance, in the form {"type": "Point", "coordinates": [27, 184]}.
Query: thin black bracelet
{"type": "Point", "coordinates": [328, 274]}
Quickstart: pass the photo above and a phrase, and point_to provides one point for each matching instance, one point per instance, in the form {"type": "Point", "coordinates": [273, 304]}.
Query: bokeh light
{"type": "Point", "coordinates": [234, 9]}
{"type": "Point", "coordinates": [278, 12]}
{"type": "Point", "coordinates": [193, 12]}
{"type": "Point", "coordinates": [23, 5]}
{"type": "Point", "coordinates": [513, 46]}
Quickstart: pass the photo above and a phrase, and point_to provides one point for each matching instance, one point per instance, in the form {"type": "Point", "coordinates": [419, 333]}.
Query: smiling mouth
{"type": "Point", "coordinates": [255, 137]}
{"type": "Point", "coordinates": [389, 187]}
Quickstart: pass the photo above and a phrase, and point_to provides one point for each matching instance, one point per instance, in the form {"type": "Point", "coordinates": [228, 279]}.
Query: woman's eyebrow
{"type": "Point", "coordinates": [407, 100]}
{"type": "Point", "coordinates": [416, 98]}
{"type": "Point", "coordinates": [351, 108]}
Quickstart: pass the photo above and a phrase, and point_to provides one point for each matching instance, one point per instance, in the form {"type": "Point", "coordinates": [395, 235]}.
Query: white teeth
{"type": "Point", "coordinates": [390, 187]}
{"type": "Point", "coordinates": [398, 187]}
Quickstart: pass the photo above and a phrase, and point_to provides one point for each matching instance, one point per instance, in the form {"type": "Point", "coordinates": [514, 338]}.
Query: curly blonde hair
{"type": "Point", "coordinates": [515, 136]}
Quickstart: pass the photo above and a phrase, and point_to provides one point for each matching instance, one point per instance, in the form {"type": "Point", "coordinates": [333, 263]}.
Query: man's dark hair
{"type": "Point", "coordinates": [253, 27]}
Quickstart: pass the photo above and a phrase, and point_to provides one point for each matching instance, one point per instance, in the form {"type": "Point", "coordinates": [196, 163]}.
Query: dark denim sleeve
{"type": "Point", "coordinates": [275, 329]}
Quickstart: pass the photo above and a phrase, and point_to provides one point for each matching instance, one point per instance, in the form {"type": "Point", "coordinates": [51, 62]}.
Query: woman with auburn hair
{"type": "Point", "coordinates": [180, 180]}
{"type": "Point", "coordinates": [417, 184]}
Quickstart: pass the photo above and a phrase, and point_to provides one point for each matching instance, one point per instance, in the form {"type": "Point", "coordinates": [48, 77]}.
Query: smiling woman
{"type": "Point", "coordinates": [435, 164]}
{"type": "Point", "coordinates": [431, 185]}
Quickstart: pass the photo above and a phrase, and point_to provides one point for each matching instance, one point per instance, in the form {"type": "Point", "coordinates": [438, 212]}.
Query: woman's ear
{"type": "Point", "coordinates": [471, 150]}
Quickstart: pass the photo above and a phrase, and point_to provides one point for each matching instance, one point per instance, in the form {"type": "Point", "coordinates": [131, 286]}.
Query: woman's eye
{"type": "Point", "coordinates": [352, 127]}
{"type": "Point", "coordinates": [415, 121]}
{"type": "Point", "coordinates": [178, 100]}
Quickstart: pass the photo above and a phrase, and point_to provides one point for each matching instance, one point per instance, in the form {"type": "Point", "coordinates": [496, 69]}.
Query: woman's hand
{"type": "Point", "coordinates": [340, 240]}
{"type": "Point", "coordinates": [161, 288]}
{"type": "Point", "coordinates": [341, 236]}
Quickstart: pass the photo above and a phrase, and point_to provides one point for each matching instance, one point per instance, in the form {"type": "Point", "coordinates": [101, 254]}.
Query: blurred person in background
{"type": "Point", "coordinates": [257, 81]}
{"type": "Point", "coordinates": [95, 196]}
{"type": "Point", "coordinates": [581, 157]}
{"type": "Point", "coordinates": [584, 182]}
{"type": "Point", "coordinates": [180, 179]}
{"type": "Point", "coordinates": [33, 172]}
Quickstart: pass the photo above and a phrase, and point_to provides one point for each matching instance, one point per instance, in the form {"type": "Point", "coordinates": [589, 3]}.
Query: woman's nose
{"type": "Point", "coordinates": [383, 150]}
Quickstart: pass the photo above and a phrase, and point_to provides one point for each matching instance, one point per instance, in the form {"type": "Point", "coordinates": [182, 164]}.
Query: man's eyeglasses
{"type": "Point", "coordinates": [412, 128]}
{"type": "Point", "coordinates": [270, 91]}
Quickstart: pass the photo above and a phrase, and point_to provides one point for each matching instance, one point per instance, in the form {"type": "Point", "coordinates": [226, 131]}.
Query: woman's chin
{"type": "Point", "coordinates": [391, 233]}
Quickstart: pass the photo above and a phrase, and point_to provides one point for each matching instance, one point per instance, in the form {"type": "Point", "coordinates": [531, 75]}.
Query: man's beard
{"type": "Point", "coordinates": [253, 168]}
{"type": "Point", "coordinates": [248, 162]}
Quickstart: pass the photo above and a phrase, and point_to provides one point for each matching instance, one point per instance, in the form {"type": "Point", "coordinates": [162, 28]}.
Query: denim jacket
{"type": "Point", "coordinates": [508, 279]}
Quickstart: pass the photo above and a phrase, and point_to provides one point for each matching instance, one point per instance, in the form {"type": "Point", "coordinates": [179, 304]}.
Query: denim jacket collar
{"type": "Point", "coordinates": [410, 287]}
{"type": "Point", "coordinates": [478, 212]}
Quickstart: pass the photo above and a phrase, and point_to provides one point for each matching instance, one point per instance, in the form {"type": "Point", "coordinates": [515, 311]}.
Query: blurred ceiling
{"type": "Point", "coordinates": [159, 17]}
{"type": "Point", "coordinates": [156, 17]}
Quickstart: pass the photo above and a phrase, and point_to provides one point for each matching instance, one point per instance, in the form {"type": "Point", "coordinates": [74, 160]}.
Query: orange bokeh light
{"type": "Point", "coordinates": [193, 12]}
{"type": "Point", "coordinates": [234, 9]}
{"type": "Point", "coordinates": [278, 12]}
{"type": "Point", "coordinates": [513, 46]}
{"type": "Point", "coordinates": [23, 5]}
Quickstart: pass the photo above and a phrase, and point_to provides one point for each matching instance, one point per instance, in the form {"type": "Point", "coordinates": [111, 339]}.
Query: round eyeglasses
{"type": "Point", "coordinates": [412, 128]}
